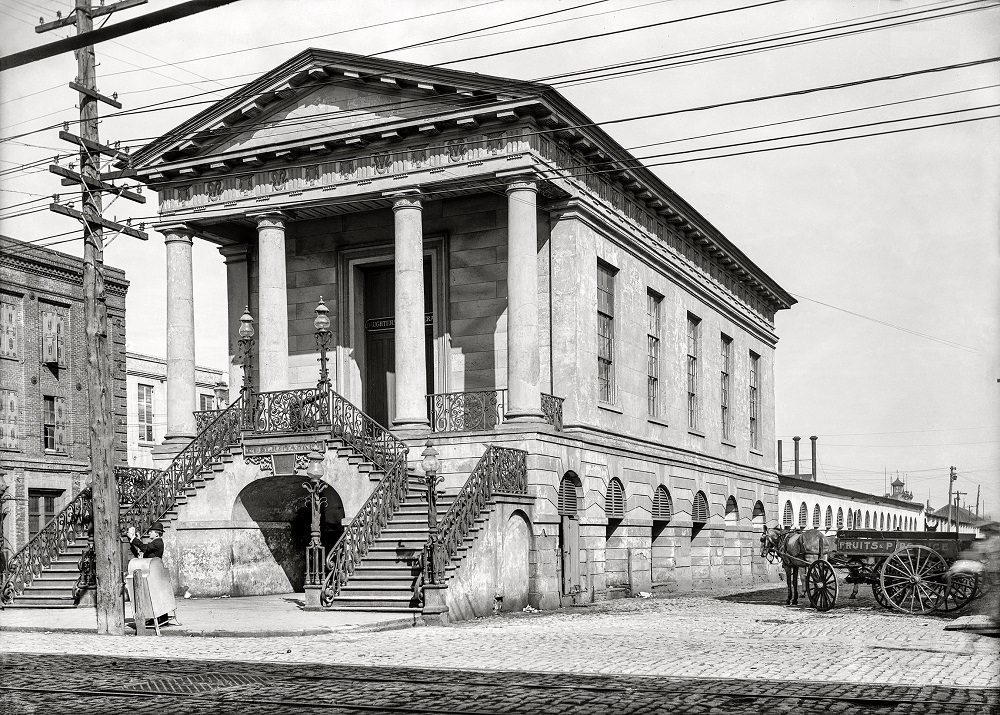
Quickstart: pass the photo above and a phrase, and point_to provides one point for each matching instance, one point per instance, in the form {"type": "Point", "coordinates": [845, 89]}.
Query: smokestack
{"type": "Point", "coordinates": [813, 440]}
{"type": "Point", "coordinates": [796, 440]}
{"type": "Point", "coordinates": [779, 456]}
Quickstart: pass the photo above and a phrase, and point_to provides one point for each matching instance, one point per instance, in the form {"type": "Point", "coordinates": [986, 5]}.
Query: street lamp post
{"type": "Point", "coordinates": [314, 551]}
{"type": "Point", "coordinates": [323, 337]}
{"type": "Point", "coordinates": [246, 343]}
{"type": "Point", "coordinates": [221, 391]}
{"type": "Point", "coordinates": [433, 556]}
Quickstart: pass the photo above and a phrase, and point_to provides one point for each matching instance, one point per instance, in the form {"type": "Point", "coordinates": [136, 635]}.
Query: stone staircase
{"type": "Point", "coordinates": [53, 588]}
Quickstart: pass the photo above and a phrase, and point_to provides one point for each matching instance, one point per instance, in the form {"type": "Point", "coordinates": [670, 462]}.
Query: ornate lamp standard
{"type": "Point", "coordinates": [315, 555]}
{"type": "Point", "coordinates": [221, 390]}
{"type": "Point", "coordinates": [323, 336]}
{"type": "Point", "coordinates": [433, 549]}
{"type": "Point", "coordinates": [246, 343]}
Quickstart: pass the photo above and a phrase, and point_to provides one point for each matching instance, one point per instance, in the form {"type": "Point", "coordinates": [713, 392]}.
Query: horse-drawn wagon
{"type": "Point", "coordinates": [907, 570]}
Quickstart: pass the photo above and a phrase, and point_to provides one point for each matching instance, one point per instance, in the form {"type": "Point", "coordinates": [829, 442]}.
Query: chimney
{"type": "Point", "coordinates": [779, 456]}
{"type": "Point", "coordinates": [813, 440]}
{"type": "Point", "coordinates": [796, 440]}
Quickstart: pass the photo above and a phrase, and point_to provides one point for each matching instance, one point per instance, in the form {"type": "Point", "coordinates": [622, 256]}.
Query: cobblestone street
{"type": "Point", "coordinates": [737, 653]}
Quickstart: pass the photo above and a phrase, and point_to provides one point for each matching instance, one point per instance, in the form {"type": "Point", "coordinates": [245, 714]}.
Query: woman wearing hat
{"type": "Point", "coordinates": [148, 550]}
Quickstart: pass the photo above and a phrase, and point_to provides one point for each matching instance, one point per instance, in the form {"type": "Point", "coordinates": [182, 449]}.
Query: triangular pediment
{"type": "Point", "coordinates": [319, 95]}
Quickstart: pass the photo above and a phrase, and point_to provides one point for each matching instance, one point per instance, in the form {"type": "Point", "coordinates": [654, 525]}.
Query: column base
{"type": "Point", "coordinates": [163, 454]}
{"type": "Point", "coordinates": [411, 423]}
{"type": "Point", "coordinates": [525, 417]}
{"type": "Point", "coordinates": [435, 610]}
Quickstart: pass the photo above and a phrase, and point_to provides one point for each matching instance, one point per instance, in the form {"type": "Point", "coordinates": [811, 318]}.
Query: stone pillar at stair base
{"type": "Point", "coordinates": [435, 610]}
{"type": "Point", "coordinates": [312, 598]}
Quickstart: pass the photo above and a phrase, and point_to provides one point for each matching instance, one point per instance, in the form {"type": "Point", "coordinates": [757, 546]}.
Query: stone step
{"type": "Point", "coordinates": [28, 602]}
{"type": "Point", "coordinates": [375, 572]}
{"type": "Point", "coordinates": [338, 606]}
{"type": "Point", "coordinates": [370, 603]}
{"type": "Point", "coordinates": [49, 587]}
{"type": "Point", "coordinates": [362, 582]}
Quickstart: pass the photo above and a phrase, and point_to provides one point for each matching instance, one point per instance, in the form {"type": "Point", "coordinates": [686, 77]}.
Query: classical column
{"type": "Point", "coordinates": [180, 335]}
{"type": "Point", "coordinates": [237, 298]}
{"type": "Point", "coordinates": [524, 400]}
{"type": "Point", "coordinates": [411, 356]}
{"type": "Point", "coordinates": [272, 303]}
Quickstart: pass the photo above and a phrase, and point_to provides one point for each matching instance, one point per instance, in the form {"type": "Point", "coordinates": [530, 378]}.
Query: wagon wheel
{"type": "Point", "coordinates": [879, 595]}
{"type": "Point", "coordinates": [912, 579]}
{"type": "Point", "coordinates": [821, 585]}
{"type": "Point", "coordinates": [962, 590]}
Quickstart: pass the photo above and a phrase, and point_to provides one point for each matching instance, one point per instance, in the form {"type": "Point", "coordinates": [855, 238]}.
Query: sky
{"type": "Point", "coordinates": [892, 354]}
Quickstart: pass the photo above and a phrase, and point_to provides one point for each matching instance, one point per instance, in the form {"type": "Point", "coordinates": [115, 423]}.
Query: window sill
{"type": "Point", "coordinates": [57, 452]}
{"type": "Point", "coordinates": [728, 443]}
{"type": "Point", "coordinates": [610, 408]}
{"type": "Point", "coordinates": [147, 443]}
{"type": "Point", "coordinates": [696, 433]}
{"type": "Point", "coordinates": [657, 421]}
{"type": "Point", "coordinates": [757, 452]}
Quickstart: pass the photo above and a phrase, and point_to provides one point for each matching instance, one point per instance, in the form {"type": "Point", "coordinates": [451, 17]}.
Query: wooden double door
{"type": "Point", "coordinates": [380, 340]}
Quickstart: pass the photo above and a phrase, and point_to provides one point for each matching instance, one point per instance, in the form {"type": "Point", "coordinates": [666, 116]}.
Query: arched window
{"type": "Point", "coordinates": [840, 518]}
{"type": "Point", "coordinates": [699, 509]}
{"type": "Point", "coordinates": [816, 513]}
{"type": "Point", "coordinates": [663, 505]}
{"type": "Point", "coordinates": [828, 522]}
{"type": "Point", "coordinates": [786, 517]}
{"type": "Point", "coordinates": [881, 522]}
{"type": "Point", "coordinates": [614, 500]}
{"type": "Point", "coordinates": [569, 494]}
{"type": "Point", "coordinates": [868, 520]}
{"type": "Point", "coordinates": [758, 516]}
{"type": "Point", "coordinates": [732, 511]}
{"type": "Point", "coordinates": [850, 519]}
{"type": "Point", "coordinates": [803, 516]}
{"type": "Point", "coordinates": [895, 522]}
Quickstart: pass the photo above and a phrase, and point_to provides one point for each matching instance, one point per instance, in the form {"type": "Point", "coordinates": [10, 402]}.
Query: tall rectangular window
{"type": "Point", "coordinates": [9, 327]}
{"type": "Point", "coordinates": [53, 338]}
{"type": "Point", "coordinates": [754, 401]}
{"type": "Point", "coordinates": [145, 413]}
{"type": "Point", "coordinates": [725, 360]}
{"type": "Point", "coordinates": [693, 340]}
{"type": "Point", "coordinates": [41, 508]}
{"type": "Point", "coordinates": [8, 419]}
{"type": "Point", "coordinates": [49, 422]}
{"type": "Point", "coordinates": [653, 303]}
{"type": "Point", "coordinates": [605, 333]}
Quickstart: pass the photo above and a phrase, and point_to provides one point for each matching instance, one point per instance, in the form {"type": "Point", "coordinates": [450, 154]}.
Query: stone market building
{"type": "Point", "coordinates": [503, 278]}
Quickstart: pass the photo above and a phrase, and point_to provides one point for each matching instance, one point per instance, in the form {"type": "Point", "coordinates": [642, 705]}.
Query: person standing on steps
{"type": "Point", "coordinates": [152, 549]}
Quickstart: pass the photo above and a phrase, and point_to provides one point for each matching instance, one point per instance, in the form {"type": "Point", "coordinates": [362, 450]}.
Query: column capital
{"type": "Point", "coordinates": [269, 219]}
{"type": "Point", "coordinates": [176, 232]}
{"type": "Point", "coordinates": [235, 253]}
{"type": "Point", "coordinates": [520, 180]}
{"type": "Point", "coordinates": [405, 199]}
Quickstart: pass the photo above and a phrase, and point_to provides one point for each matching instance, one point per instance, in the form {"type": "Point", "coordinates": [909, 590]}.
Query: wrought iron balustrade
{"type": "Point", "coordinates": [133, 481]}
{"type": "Point", "coordinates": [72, 523]}
{"type": "Point", "coordinates": [552, 408]}
{"type": "Point", "coordinates": [203, 418]}
{"type": "Point", "coordinates": [305, 410]}
{"type": "Point", "coordinates": [154, 501]}
{"type": "Point", "coordinates": [500, 470]}
{"type": "Point", "coordinates": [388, 454]}
{"type": "Point", "coordinates": [481, 410]}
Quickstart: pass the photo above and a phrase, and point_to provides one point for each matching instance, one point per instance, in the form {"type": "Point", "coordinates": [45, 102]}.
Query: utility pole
{"type": "Point", "coordinates": [106, 539]}
{"type": "Point", "coordinates": [958, 518]}
{"type": "Point", "coordinates": [977, 502]}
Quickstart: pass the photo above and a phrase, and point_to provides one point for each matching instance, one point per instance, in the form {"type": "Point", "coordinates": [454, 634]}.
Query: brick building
{"type": "Point", "coordinates": [500, 274]}
{"type": "Point", "coordinates": [44, 414]}
{"type": "Point", "coordinates": [146, 383]}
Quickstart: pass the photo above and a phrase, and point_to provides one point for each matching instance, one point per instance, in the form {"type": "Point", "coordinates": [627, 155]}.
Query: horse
{"type": "Point", "coordinates": [795, 549]}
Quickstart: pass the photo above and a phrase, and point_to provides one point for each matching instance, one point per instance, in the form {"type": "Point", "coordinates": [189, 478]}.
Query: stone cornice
{"type": "Point", "coordinates": [112, 284]}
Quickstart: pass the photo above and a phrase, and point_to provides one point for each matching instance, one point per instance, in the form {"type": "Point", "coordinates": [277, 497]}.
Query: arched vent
{"type": "Point", "coordinates": [663, 505]}
{"type": "Point", "coordinates": [614, 500]}
{"type": "Point", "coordinates": [569, 497]}
{"type": "Point", "coordinates": [786, 519]}
{"type": "Point", "coordinates": [732, 510]}
{"type": "Point", "coordinates": [699, 510]}
{"type": "Point", "coordinates": [816, 513]}
{"type": "Point", "coordinates": [850, 519]}
{"type": "Point", "coordinates": [840, 518]}
{"type": "Point", "coordinates": [868, 520]}
{"type": "Point", "coordinates": [803, 516]}
{"type": "Point", "coordinates": [828, 522]}
{"type": "Point", "coordinates": [881, 522]}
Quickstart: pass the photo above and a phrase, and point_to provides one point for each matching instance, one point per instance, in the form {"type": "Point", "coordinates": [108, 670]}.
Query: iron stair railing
{"type": "Point", "coordinates": [482, 410]}
{"type": "Point", "coordinates": [73, 522]}
{"type": "Point", "coordinates": [388, 454]}
{"type": "Point", "coordinates": [220, 434]}
{"type": "Point", "coordinates": [499, 470]}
